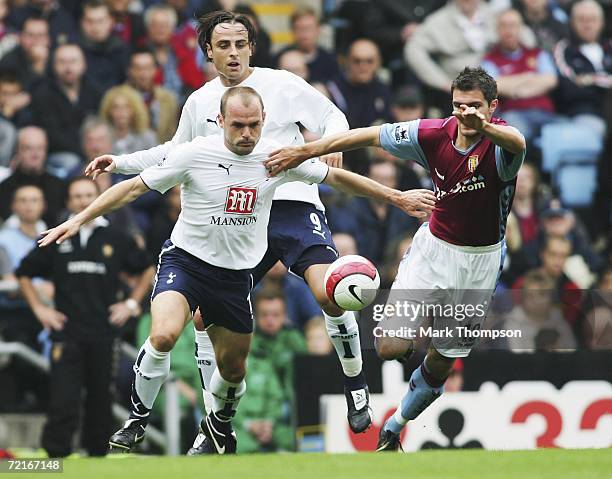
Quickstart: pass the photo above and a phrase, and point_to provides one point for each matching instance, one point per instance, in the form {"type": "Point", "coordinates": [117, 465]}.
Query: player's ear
{"type": "Point", "coordinates": [493, 105]}
{"type": "Point", "coordinates": [263, 116]}
{"type": "Point", "coordinates": [208, 52]}
{"type": "Point", "coordinates": [220, 120]}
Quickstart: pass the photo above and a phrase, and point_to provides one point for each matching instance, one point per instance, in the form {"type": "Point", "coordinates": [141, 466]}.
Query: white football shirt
{"type": "Point", "coordinates": [225, 198]}
{"type": "Point", "coordinates": [288, 100]}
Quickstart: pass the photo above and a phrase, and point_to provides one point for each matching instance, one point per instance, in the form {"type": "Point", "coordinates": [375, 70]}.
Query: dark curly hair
{"type": "Point", "coordinates": [476, 79]}
{"type": "Point", "coordinates": [208, 22]}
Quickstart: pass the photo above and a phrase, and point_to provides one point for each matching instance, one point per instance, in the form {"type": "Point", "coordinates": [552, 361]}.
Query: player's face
{"type": "Point", "coordinates": [476, 99]}
{"type": "Point", "coordinates": [81, 195]}
{"type": "Point", "coordinates": [242, 125]}
{"type": "Point", "coordinates": [230, 51]}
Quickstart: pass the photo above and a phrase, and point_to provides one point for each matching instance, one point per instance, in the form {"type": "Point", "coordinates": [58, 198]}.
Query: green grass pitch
{"type": "Point", "coordinates": [457, 464]}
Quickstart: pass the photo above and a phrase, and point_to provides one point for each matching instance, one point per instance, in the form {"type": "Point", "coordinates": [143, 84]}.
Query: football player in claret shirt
{"type": "Point", "coordinates": [473, 159]}
{"type": "Point", "coordinates": [219, 237]}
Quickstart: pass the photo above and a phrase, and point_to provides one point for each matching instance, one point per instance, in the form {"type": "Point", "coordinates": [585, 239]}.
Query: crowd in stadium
{"type": "Point", "coordinates": [82, 79]}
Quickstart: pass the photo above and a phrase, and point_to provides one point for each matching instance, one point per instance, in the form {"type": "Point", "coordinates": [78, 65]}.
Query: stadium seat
{"type": "Point", "coordinates": [576, 181]}
{"type": "Point", "coordinates": [564, 141]}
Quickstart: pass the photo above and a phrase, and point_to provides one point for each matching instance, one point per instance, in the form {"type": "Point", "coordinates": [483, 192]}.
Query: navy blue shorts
{"type": "Point", "coordinates": [298, 235]}
{"type": "Point", "coordinates": [223, 295]}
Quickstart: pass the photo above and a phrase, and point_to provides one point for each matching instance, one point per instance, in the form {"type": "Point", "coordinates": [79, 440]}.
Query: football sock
{"type": "Point", "coordinates": [225, 396]}
{"type": "Point", "coordinates": [343, 332]}
{"type": "Point", "coordinates": [151, 370]}
{"type": "Point", "coordinates": [207, 363]}
{"type": "Point", "coordinates": [423, 389]}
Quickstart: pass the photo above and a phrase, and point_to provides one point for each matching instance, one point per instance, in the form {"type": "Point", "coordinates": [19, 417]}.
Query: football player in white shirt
{"type": "Point", "coordinates": [298, 234]}
{"type": "Point", "coordinates": [221, 234]}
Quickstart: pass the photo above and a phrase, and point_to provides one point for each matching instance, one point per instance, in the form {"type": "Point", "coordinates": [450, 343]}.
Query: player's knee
{"type": "Point", "coordinates": [163, 342]}
{"type": "Point", "coordinates": [232, 370]}
{"type": "Point", "coordinates": [392, 348]}
{"type": "Point", "coordinates": [330, 307]}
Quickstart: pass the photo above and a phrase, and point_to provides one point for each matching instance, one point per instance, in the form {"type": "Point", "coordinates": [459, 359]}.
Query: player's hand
{"type": "Point", "coordinates": [470, 117]}
{"type": "Point", "coordinates": [99, 165]}
{"type": "Point", "coordinates": [60, 233]}
{"type": "Point", "coordinates": [50, 318]}
{"type": "Point", "coordinates": [417, 203]}
{"type": "Point", "coordinates": [284, 159]}
{"type": "Point", "coordinates": [119, 313]}
{"type": "Point", "coordinates": [333, 159]}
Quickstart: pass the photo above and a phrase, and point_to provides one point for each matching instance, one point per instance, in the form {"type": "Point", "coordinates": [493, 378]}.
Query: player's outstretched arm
{"type": "Point", "coordinates": [113, 198]}
{"type": "Point", "coordinates": [417, 203]}
{"type": "Point", "coordinates": [290, 157]}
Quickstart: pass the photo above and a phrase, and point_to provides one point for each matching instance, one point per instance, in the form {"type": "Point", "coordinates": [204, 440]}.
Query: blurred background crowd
{"type": "Point", "coordinates": [83, 78]}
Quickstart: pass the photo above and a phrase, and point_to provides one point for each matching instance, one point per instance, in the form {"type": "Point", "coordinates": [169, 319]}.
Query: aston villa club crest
{"type": "Point", "coordinates": [472, 163]}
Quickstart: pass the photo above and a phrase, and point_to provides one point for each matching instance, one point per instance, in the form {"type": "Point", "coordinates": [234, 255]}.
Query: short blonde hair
{"type": "Point", "coordinates": [140, 117]}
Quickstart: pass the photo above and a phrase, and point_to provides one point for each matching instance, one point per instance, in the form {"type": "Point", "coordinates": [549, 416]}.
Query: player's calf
{"type": "Point", "coordinates": [390, 348]}
{"type": "Point", "coordinates": [425, 386]}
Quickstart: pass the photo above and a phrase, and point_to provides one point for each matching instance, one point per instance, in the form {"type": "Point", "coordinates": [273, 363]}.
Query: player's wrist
{"type": "Point", "coordinates": [132, 305]}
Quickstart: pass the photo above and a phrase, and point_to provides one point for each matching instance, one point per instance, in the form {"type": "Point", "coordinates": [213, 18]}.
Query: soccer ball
{"type": "Point", "coordinates": [352, 282]}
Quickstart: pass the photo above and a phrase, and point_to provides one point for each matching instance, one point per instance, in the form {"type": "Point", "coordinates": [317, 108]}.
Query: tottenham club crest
{"type": "Point", "coordinates": [472, 163]}
{"type": "Point", "coordinates": [240, 200]}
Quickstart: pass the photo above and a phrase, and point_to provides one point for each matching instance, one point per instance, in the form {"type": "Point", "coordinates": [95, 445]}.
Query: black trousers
{"type": "Point", "coordinates": [81, 379]}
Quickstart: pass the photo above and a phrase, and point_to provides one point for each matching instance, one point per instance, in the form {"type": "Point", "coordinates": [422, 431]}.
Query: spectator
{"type": "Point", "coordinates": [525, 77]}
{"type": "Point", "coordinates": [9, 38]}
{"type": "Point", "coordinates": [97, 139]}
{"type": "Point", "coordinates": [262, 56]}
{"type": "Point", "coordinates": [597, 329]}
{"type": "Point", "coordinates": [525, 205]}
{"type": "Point", "coordinates": [84, 321]}
{"type": "Point", "coordinates": [455, 36]}
{"type": "Point", "coordinates": [62, 27]}
{"type": "Point", "coordinates": [29, 169]}
{"type": "Point", "coordinates": [396, 251]}
{"type": "Point", "coordinates": [160, 22]}
{"type": "Point", "coordinates": [17, 237]}
{"type": "Point", "coordinates": [294, 61]}
{"type": "Point", "coordinates": [262, 427]}
{"type": "Point", "coordinates": [345, 244]}
{"type": "Point", "coordinates": [317, 338]}
{"type": "Point", "coordinates": [306, 29]}
{"type": "Point", "coordinates": [585, 66]}
{"type": "Point", "coordinates": [127, 26]}
{"type": "Point", "coordinates": [105, 53]}
{"type": "Point", "coordinates": [391, 23]}
{"type": "Point", "coordinates": [554, 255]}
{"type": "Point", "coordinates": [560, 222]}
{"type": "Point", "coordinates": [538, 317]}
{"type": "Point", "coordinates": [123, 108]}
{"type": "Point", "coordinates": [299, 301]}
{"type": "Point", "coordinates": [408, 104]}
{"type": "Point", "coordinates": [60, 105]}
{"type": "Point", "coordinates": [538, 16]}
{"type": "Point", "coordinates": [29, 59]}
{"type": "Point", "coordinates": [372, 224]}
{"type": "Point", "coordinates": [359, 94]}
{"type": "Point", "coordinates": [161, 103]}
{"type": "Point", "coordinates": [14, 100]}
{"type": "Point", "coordinates": [185, 44]}
{"type": "Point", "coordinates": [14, 113]}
